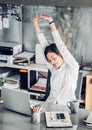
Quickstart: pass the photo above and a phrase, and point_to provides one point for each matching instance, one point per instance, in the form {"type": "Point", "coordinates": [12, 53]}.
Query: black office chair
{"type": "Point", "coordinates": [48, 85]}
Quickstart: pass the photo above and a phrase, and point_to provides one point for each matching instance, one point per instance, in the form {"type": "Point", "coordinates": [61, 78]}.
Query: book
{"type": "Point", "coordinates": [39, 86]}
{"type": "Point", "coordinates": [58, 119]}
{"type": "Point", "coordinates": [12, 81]}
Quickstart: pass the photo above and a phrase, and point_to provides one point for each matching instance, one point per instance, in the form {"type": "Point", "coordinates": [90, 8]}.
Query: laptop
{"type": "Point", "coordinates": [16, 100]}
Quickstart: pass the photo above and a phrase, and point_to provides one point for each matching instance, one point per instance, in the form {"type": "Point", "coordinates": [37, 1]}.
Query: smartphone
{"type": "Point", "coordinates": [60, 116]}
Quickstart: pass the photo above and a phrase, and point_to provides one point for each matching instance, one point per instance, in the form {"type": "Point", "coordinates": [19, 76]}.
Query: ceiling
{"type": "Point", "coordinates": [74, 3]}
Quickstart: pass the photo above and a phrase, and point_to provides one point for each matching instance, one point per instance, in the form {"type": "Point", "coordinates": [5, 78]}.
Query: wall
{"type": "Point", "coordinates": [14, 32]}
{"type": "Point", "coordinates": [74, 25]}
{"type": "Point", "coordinates": [73, 3]}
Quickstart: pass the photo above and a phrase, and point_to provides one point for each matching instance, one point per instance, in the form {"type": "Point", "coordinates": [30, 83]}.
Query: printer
{"type": "Point", "coordinates": [8, 50]}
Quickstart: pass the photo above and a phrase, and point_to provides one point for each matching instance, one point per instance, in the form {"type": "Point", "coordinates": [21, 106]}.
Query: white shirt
{"type": "Point", "coordinates": [63, 80]}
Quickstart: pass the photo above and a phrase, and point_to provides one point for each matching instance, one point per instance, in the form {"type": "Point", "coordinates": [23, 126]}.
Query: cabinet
{"type": "Point", "coordinates": [33, 66]}
{"type": "Point", "coordinates": [18, 99]}
{"type": "Point", "coordinates": [88, 100]}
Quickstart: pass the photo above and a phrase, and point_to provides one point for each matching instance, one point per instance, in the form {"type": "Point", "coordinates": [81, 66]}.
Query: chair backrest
{"type": "Point", "coordinates": [81, 83]}
{"type": "Point", "coordinates": [48, 85]}
{"type": "Point", "coordinates": [79, 86]}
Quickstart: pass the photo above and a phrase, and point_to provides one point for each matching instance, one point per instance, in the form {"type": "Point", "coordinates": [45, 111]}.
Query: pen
{"type": "Point", "coordinates": [41, 108]}
{"type": "Point", "coordinates": [51, 116]}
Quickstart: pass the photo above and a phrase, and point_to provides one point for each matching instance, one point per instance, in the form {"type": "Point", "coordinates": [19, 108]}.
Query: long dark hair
{"type": "Point", "coordinates": [51, 48]}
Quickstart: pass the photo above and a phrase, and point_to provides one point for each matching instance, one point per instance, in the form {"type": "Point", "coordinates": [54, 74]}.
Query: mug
{"type": "Point", "coordinates": [73, 106]}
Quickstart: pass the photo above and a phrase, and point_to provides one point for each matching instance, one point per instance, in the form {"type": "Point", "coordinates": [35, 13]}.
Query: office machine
{"type": "Point", "coordinates": [7, 48]}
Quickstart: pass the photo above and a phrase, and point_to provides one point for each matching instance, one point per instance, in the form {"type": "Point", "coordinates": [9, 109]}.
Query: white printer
{"type": "Point", "coordinates": [8, 50]}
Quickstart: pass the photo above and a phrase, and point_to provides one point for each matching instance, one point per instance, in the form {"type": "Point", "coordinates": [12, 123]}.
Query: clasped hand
{"type": "Point", "coordinates": [42, 17]}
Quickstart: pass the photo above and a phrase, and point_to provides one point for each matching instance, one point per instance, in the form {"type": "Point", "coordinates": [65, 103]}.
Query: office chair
{"type": "Point", "coordinates": [48, 85]}
{"type": "Point", "coordinates": [78, 91]}
{"type": "Point", "coordinates": [79, 86]}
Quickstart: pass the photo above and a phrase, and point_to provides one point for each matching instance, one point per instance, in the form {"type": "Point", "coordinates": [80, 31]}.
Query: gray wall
{"type": "Point", "coordinates": [73, 3]}
{"type": "Point", "coordinates": [14, 32]}
{"type": "Point", "coordinates": [73, 23]}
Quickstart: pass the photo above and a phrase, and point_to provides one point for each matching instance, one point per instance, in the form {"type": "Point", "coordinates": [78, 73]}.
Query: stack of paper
{"type": "Point", "coordinates": [24, 58]}
{"type": "Point", "coordinates": [39, 86]}
{"type": "Point", "coordinates": [4, 73]}
{"type": "Point", "coordinates": [88, 120]}
{"type": "Point", "coordinates": [12, 81]}
{"type": "Point", "coordinates": [38, 90]}
{"type": "Point", "coordinates": [58, 119]}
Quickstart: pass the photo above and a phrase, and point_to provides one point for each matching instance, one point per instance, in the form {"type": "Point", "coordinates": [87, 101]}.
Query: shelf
{"type": "Point", "coordinates": [33, 66]}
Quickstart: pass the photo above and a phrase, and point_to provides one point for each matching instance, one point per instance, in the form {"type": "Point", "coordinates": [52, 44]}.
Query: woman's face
{"type": "Point", "coordinates": [55, 59]}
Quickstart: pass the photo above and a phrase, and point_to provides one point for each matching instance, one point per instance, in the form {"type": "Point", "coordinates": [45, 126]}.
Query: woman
{"type": "Point", "coordinates": [62, 65]}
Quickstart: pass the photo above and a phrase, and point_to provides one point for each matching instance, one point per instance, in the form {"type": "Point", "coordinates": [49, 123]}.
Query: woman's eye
{"type": "Point", "coordinates": [54, 58]}
{"type": "Point", "coordinates": [49, 61]}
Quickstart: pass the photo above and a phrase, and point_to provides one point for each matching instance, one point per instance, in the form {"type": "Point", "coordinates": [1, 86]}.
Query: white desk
{"type": "Point", "coordinates": [14, 121]}
{"type": "Point", "coordinates": [33, 66]}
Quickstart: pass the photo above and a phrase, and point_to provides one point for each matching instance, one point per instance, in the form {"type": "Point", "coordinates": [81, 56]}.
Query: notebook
{"type": "Point", "coordinates": [58, 119]}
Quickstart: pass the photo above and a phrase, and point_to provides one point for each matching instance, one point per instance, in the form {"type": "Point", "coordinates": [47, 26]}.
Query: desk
{"type": "Point", "coordinates": [14, 121]}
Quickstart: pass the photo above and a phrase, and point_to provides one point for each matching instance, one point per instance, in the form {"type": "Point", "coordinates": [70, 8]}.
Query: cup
{"type": "Point", "coordinates": [35, 117]}
{"type": "Point", "coordinates": [73, 106]}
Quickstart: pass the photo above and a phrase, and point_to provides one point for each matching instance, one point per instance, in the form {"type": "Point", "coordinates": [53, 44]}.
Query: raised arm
{"type": "Point", "coordinates": [41, 37]}
{"type": "Point", "coordinates": [36, 25]}
{"type": "Point", "coordinates": [50, 21]}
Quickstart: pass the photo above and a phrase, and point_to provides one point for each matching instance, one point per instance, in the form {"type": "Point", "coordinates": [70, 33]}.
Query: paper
{"type": "Point", "coordinates": [25, 54]}
{"type": "Point", "coordinates": [24, 58]}
{"type": "Point", "coordinates": [40, 85]}
{"type": "Point", "coordinates": [6, 22]}
{"type": "Point", "coordinates": [12, 86]}
{"type": "Point", "coordinates": [89, 118]}
{"type": "Point", "coordinates": [53, 121]}
{"type": "Point", "coordinates": [13, 79]}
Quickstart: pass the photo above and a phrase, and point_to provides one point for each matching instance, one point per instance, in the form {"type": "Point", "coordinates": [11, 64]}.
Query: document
{"type": "Point", "coordinates": [58, 119]}
{"type": "Point", "coordinates": [39, 86]}
{"type": "Point", "coordinates": [89, 118]}
{"type": "Point", "coordinates": [24, 58]}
